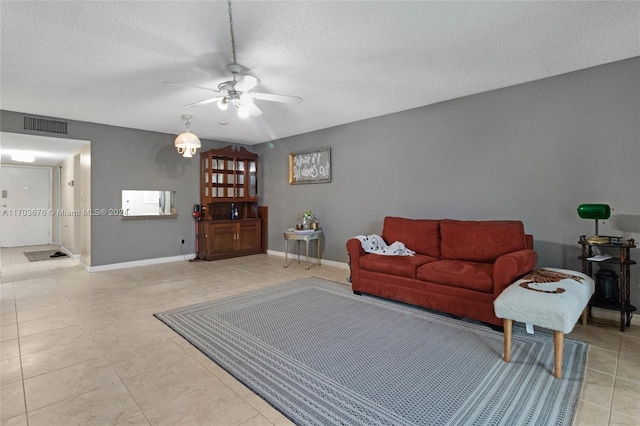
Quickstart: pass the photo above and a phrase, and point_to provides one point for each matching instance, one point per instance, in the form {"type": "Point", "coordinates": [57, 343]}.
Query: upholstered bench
{"type": "Point", "coordinates": [549, 297]}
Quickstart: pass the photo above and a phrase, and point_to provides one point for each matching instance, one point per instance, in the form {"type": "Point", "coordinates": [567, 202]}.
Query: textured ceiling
{"type": "Point", "coordinates": [105, 61]}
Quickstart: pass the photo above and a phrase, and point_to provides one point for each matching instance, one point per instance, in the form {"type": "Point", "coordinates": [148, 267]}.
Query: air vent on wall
{"type": "Point", "coordinates": [44, 125]}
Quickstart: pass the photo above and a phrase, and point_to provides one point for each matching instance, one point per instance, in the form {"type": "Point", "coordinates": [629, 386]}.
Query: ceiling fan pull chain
{"type": "Point", "coordinates": [239, 92]}
{"type": "Point", "coordinates": [233, 41]}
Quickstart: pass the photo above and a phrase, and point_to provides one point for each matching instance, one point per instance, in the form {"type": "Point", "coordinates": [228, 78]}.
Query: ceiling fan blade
{"type": "Point", "coordinates": [246, 83]}
{"type": "Point", "coordinates": [192, 87]}
{"type": "Point", "coordinates": [254, 111]}
{"type": "Point", "coordinates": [277, 98]}
{"type": "Point", "coordinates": [204, 102]}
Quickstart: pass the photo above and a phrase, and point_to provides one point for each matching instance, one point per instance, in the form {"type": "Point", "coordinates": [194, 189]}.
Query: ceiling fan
{"type": "Point", "coordinates": [239, 91]}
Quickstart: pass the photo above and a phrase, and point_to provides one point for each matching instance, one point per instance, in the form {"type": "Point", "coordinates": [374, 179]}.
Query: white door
{"type": "Point", "coordinates": [26, 200]}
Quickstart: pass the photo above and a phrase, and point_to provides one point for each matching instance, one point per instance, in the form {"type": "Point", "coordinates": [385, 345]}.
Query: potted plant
{"type": "Point", "coordinates": [308, 218]}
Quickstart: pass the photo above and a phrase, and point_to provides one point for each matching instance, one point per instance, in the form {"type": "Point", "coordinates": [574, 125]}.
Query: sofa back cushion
{"type": "Point", "coordinates": [480, 241]}
{"type": "Point", "coordinates": [420, 235]}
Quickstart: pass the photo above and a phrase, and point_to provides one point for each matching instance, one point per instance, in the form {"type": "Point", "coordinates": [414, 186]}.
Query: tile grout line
{"type": "Point", "coordinates": [24, 391]}
{"type": "Point", "coordinates": [58, 369]}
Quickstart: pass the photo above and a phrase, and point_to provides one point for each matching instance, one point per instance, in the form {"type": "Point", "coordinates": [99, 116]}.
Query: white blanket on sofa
{"type": "Point", "coordinates": [375, 244]}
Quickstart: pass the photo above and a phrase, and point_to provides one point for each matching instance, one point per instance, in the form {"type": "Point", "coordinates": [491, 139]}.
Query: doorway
{"type": "Point", "coordinates": [26, 200]}
{"type": "Point", "coordinates": [68, 162]}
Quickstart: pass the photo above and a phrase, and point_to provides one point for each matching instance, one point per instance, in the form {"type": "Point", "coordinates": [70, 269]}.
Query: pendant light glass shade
{"type": "Point", "coordinates": [187, 143]}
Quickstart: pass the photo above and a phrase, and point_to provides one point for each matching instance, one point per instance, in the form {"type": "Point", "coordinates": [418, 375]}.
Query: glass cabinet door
{"type": "Point", "coordinates": [240, 170]}
{"type": "Point", "coordinates": [206, 181]}
{"type": "Point", "coordinates": [253, 182]}
{"type": "Point", "coordinates": [228, 178]}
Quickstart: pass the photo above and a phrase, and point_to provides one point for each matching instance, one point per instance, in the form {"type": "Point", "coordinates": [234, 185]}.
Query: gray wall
{"type": "Point", "coordinates": [124, 158]}
{"type": "Point", "coordinates": [532, 152]}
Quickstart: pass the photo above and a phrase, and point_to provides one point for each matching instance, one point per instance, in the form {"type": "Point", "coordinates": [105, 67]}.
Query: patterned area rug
{"type": "Point", "coordinates": [324, 356]}
{"type": "Point", "coordinates": [35, 256]}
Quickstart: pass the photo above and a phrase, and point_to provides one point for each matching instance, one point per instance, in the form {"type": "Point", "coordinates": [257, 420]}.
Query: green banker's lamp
{"type": "Point", "coordinates": [596, 212]}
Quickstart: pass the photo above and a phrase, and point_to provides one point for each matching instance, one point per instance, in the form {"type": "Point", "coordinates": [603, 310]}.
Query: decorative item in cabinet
{"type": "Point", "coordinates": [619, 257]}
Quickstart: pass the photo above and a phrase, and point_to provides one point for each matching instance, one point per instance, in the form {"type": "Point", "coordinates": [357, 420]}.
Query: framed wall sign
{"type": "Point", "coordinates": [312, 166]}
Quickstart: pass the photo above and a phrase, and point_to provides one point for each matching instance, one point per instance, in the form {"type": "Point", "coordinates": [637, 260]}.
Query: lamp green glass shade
{"type": "Point", "coordinates": [594, 211]}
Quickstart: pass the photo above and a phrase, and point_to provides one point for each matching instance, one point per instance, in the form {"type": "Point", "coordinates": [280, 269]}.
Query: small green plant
{"type": "Point", "coordinates": [307, 218]}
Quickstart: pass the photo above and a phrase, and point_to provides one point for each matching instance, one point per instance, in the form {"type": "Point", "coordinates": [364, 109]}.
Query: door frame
{"type": "Point", "coordinates": [57, 188]}
{"type": "Point", "coordinates": [49, 194]}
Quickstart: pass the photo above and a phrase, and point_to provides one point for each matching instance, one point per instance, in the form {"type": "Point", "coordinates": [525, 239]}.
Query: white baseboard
{"type": "Point", "coordinates": [341, 265]}
{"type": "Point", "coordinates": [68, 252]}
{"type": "Point", "coordinates": [134, 263]}
{"type": "Point", "coordinates": [181, 258]}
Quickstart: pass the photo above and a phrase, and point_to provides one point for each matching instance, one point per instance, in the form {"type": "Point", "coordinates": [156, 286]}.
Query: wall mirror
{"type": "Point", "coordinates": [148, 203]}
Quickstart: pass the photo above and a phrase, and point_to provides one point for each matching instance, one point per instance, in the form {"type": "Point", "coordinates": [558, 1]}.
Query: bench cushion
{"type": "Point", "coordinates": [548, 297]}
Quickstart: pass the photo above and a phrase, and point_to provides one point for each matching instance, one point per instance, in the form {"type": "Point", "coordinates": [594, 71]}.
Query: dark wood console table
{"type": "Point", "coordinates": [621, 260]}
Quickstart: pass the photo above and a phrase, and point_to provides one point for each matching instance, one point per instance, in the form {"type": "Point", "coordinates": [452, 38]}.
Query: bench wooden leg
{"type": "Point", "coordinates": [558, 345]}
{"type": "Point", "coordinates": [583, 318]}
{"type": "Point", "coordinates": [507, 324]}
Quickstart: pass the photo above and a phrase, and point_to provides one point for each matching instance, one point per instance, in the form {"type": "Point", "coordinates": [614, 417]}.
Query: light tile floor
{"type": "Point", "coordinates": [84, 348]}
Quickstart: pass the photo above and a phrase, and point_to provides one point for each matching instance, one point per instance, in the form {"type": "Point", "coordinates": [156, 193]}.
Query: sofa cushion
{"type": "Point", "coordinates": [477, 241]}
{"type": "Point", "coordinates": [404, 266]}
{"type": "Point", "coordinates": [472, 275]}
{"type": "Point", "coordinates": [419, 235]}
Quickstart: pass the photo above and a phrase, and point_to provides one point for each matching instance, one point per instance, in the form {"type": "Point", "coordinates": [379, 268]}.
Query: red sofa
{"type": "Point", "coordinates": [460, 267]}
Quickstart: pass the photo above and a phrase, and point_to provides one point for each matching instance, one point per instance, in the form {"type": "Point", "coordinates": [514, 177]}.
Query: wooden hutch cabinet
{"type": "Point", "coordinates": [233, 224]}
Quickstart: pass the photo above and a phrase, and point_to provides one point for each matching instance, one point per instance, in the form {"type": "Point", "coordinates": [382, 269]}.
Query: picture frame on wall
{"type": "Point", "coordinates": [311, 166]}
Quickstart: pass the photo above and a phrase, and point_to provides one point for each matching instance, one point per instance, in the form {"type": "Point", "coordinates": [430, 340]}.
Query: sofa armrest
{"type": "Point", "coordinates": [355, 250]}
{"type": "Point", "coordinates": [528, 241]}
{"type": "Point", "coordinates": [354, 247]}
{"type": "Point", "coordinates": [510, 267]}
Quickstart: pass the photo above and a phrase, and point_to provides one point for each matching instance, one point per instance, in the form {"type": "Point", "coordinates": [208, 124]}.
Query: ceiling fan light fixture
{"type": "Point", "coordinates": [243, 111]}
{"type": "Point", "coordinates": [223, 104]}
{"type": "Point", "coordinates": [187, 143]}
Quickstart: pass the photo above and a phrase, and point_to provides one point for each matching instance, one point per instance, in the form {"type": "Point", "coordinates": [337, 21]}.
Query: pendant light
{"type": "Point", "coordinates": [187, 143]}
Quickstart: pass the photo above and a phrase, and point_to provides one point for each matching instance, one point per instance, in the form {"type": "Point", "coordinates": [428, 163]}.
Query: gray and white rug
{"type": "Point", "coordinates": [324, 356]}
